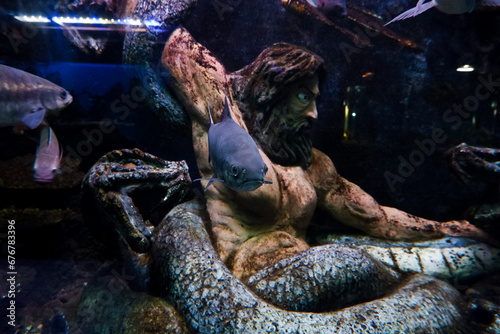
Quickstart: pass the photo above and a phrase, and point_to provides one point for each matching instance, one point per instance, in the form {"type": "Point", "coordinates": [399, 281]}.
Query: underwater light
{"type": "Point", "coordinates": [152, 23]}
{"type": "Point", "coordinates": [32, 19]}
{"type": "Point", "coordinates": [94, 20]}
{"type": "Point", "coordinates": [465, 68]}
{"type": "Point", "coordinates": [86, 20]}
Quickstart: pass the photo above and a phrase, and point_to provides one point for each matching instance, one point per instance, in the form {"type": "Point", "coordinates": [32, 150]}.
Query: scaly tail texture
{"type": "Point", "coordinates": [449, 259]}
{"type": "Point", "coordinates": [212, 300]}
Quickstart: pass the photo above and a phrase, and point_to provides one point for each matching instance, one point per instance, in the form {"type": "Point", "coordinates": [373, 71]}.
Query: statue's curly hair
{"type": "Point", "coordinates": [260, 88]}
{"type": "Point", "coordinates": [260, 84]}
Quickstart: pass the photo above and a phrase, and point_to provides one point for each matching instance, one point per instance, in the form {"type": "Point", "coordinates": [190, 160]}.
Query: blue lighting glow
{"type": "Point", "coordinates": [86, 20]}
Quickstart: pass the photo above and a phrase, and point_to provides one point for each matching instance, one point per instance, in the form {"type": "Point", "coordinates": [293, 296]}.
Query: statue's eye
{"type": "Point", "coordinates": [234, 170]}
{"type": "Point", "coordinates": [303, 97]}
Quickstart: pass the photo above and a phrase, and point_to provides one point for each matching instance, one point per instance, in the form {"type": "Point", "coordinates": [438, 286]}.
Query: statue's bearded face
{"type": "Point", "coordinates": [285, 137]}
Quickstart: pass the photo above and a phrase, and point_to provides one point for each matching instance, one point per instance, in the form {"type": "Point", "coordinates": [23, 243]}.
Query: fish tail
{"type": "Point", "coordinates": [419, 9]}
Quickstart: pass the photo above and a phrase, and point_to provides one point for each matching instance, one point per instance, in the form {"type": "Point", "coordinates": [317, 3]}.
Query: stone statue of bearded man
{"type": "Point", "coordinates": [273, 98]}
{"type": "Point", "coordinates": [276, 95]}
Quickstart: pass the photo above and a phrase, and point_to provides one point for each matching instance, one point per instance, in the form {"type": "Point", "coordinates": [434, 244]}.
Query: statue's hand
{"type": "Point", "coordinates": [463, 228]}
{"type": "Point", "coordinates": [128, 187]}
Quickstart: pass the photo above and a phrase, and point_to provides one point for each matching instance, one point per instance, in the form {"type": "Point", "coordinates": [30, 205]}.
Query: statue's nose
{"type": "Point", "coordinates": [312, 111]}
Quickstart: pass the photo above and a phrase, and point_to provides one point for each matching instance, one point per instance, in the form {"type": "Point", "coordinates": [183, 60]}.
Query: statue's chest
{"type": "Point", "coordinates": [298, 194]}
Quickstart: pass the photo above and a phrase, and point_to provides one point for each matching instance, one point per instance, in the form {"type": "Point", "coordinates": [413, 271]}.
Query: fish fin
{"type": "Point", "coordinates": [268, 182]}
{"type": "Point", "coordinates": [60, 155]}
{"type": "Point", "coordinates": [418, 9]}
{"type": "Point", "coordinates": [208, 185]}
{"type": "Point", "coordinates": [312, 3]}
{"type": "Point", "coordinates": [489, 3]}
{"type": "Point", "coordinates": [212, 180]}
{"type": "Point", "coordinates": [226, 113]}
{"type": "Point", "coordinates": [44, 136]}
{"type": "Point", "coordinates": [34, 118]}
{"type": "Point", "coordinates": [210, 114]}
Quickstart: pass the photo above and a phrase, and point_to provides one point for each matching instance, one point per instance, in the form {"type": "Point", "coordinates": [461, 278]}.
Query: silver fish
{"type": "Point", "coordinates": [48, 156]}
{"type": "Point", "coordinates": [445, 6]}
{"type": "Point", "coordinates": [235, 157]}
{"type": "Point", "coordinates": [26, 98]}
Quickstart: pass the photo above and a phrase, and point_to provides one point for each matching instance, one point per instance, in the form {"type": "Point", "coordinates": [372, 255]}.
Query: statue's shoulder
{"type": "Point", "coordinates": [322, 162]}
{"type": "Point", "coordinates": [322, 171]}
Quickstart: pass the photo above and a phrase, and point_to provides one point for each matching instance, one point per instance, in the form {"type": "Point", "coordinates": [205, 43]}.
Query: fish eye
{"type": "Point", "coordinates": [63, 95]}
{"type": "Point", "coordinates": [234, 170]}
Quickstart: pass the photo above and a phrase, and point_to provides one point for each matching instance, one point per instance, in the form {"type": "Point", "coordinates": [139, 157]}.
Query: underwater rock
{"type": "Point", "coordinates": [478, 168]}
{"type": "Point", "coordinates": [484, 303]}
{"type": "Point", "coordinates": [109, 306]}
{"type": "Point", "coordinates": [140, 45]}
{"type": "Point", "coordinates": [486, 215]}
{"type": "Point", "coordinates": [141, 48]}
{"type": "Point", "coordinates": [473, 165]}
{"type": "Point", "coordinates": [92, 42]}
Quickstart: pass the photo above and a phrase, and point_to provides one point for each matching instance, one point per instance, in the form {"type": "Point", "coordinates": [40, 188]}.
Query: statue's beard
{"type": "Point", "coordinates": [285, 143]}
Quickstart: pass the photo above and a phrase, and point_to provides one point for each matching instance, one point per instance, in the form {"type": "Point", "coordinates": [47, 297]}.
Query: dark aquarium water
{"type": "Point", "coordinates": [390, 224]}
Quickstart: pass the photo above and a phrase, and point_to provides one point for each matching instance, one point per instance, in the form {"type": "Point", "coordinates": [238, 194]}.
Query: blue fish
{"type": "Point", "coordinates": [234, 155]}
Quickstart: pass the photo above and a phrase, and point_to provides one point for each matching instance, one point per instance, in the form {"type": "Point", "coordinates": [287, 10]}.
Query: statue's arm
{"type": "Point", "coordinates": [349, 204]}
{"type": "Point", "coordinates": [197, 77]}
{"type": "Point", "coordinates": [199, 81]}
